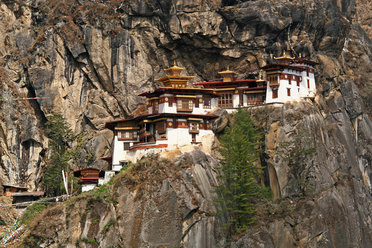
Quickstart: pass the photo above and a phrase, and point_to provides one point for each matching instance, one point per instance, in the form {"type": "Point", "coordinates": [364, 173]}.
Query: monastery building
{"type": "Point", "coordinates": [179, 115]}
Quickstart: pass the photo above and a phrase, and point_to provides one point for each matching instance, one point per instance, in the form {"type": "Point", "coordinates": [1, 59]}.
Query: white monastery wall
{"type": "Point", "coordinates": [296, 92]}
{"type": "Point", "coordinates": [87, 187]}
{"type": "Point", "coordinates": [235, 100]}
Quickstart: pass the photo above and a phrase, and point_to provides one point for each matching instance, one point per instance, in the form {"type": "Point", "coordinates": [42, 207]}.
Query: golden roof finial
{"type": "Point", "coordinates": [284, 57]}
{"type": "Point", "coordinates": [300, 56]}
{"type": "Point", "coordinates": [228, 75]}
{"type": "Point", "coordinates": [174, 63]}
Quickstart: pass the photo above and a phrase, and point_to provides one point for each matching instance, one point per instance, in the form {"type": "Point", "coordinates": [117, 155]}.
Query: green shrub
{"type": "Point", "coordinates": [32, 211]}
{"type": "Point", "coordinates": [108, 225]}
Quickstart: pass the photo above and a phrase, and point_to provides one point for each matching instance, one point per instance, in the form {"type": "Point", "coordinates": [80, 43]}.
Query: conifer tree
{"type": "Point", "coordinates": [60, 135]}
{"type": "Point", "coordinates": [239, 172]}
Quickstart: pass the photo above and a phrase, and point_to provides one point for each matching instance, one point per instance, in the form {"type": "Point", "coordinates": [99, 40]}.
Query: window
{"type": "Point", "coordinates": [193, 127]}
{"type": "Point", "coordinates": [155, 107]}
{"type": "Point", "coordinates": [170, 102]}
{"type": "Point", "coordinates": [308, 83]}
{"type": "Point", "coordinates": [197, 103]}
{"type": "Point", "coordinates": [184, 105]}
{"type": "Point", "coordinates": [207, 103]}
{"type": "Point", "coordinates": [275, 93]}
{"type": "Point", "coordinates": [289, 92]}
{"type": "Point", "coordinates": [298, 83]}
{"type": "Point", "coordinates": [226, 100]}
{"type": "Point", "coordinates": [126, 146]}
{"type": "Point", "coordinates": [127, 135]}
{"type": "Point", "coordinates": [161, 127]}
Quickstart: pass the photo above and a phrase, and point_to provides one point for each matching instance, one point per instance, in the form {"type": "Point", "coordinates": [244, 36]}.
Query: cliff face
{"type": "Point", "coordinates": [157, 203]}
{"type": "Point", "coordinates": [87, 61]}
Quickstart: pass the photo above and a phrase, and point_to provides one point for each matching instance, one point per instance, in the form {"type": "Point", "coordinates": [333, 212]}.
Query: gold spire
{"type": "Point", "coordinates": [174, 79]}
{"type": "Point", "coordinates": [284, 56]}
{"type": "Point", "coordinates": [228, 75]}
{"type": "Point", "coordinates": [174, 70]}
{"type": "Point", "coordinates": [284, 59]}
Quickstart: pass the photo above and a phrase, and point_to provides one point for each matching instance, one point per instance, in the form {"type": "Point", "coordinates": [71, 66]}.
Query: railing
{"type": "Point", "coordinates": [226, 105]}
{"type": "Point", "coordinates": [256, 102]}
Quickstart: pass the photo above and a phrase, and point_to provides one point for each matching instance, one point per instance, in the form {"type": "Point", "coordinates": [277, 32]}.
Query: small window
{"type": "Point", "coordinates": [207, 103]}
{"type": "Point", "coordinates": [127, 135]}
{"type": "Point", "coordinates": [289, 92]}
{"type": "Point", "coordinates": [197, 103]}
{"type": "Point", "coordinates": [126, 146]}
{"type": "Point", "coordinates": [134, 135]}
{"type": "Point", "coordinates": [275, 93]}
{"type": "Point", "coordinates": [308, 83]}
{"type": "Point", "coordinates": [298, 83]}
{"type": "Point", "coordinates": [161, 127]}
{"type": "Point", "coordinates": [155, 107]}
{"type": "Point", "coordinates": [119, 135]}
{"type": "Point", "coordinates": [194, 127]}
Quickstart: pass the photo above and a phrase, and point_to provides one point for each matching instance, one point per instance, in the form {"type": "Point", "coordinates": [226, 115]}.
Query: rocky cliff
{"type": "Point", "coordinates": [88, 60]}
{"type": "Point", "coordinates": [156, 203]}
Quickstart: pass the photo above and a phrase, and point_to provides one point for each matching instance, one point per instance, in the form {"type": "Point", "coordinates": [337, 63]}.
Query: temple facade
{"type": "Point", "coordinates": [177, 116]}
{"type": "Point", "coordinates": [291, 79]}
{"type": "Point", "coordinates": [234, 93]}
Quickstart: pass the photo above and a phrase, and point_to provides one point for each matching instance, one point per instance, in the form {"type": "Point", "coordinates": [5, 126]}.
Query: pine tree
{"type": "Point", "coordinates": [60, 136]}
{"type": "Point", "coordinates": [240, 151]}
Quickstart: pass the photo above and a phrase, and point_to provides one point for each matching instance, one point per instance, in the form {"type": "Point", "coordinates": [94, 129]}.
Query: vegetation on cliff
{"type": "Point", "coordinates": [61, 155]}
{"type": "Point", "coordinates": [240, 190]}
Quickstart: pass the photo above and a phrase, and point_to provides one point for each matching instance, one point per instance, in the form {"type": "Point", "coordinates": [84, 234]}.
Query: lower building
{"type": "Point", "coordinates": [139, 136]}
{"type": "Point", "coordinates": [89, 178]}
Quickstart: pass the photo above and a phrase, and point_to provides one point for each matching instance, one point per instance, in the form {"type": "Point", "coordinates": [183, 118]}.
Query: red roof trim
{"type": "Point", "coordinates": [111, 124]}
{"type": "Point", "coordinates": [281, 66]}
{"type": "Point", "coordinates": [187, 91]}
{"type": "Point", "coordinates": [77, 173]}
{"type": "Point", "coordinates": [306, 61]}
{"type": "Point", "coordinates": [255, 88]}
{"type": "Point", "coordinates": [231, 82]}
